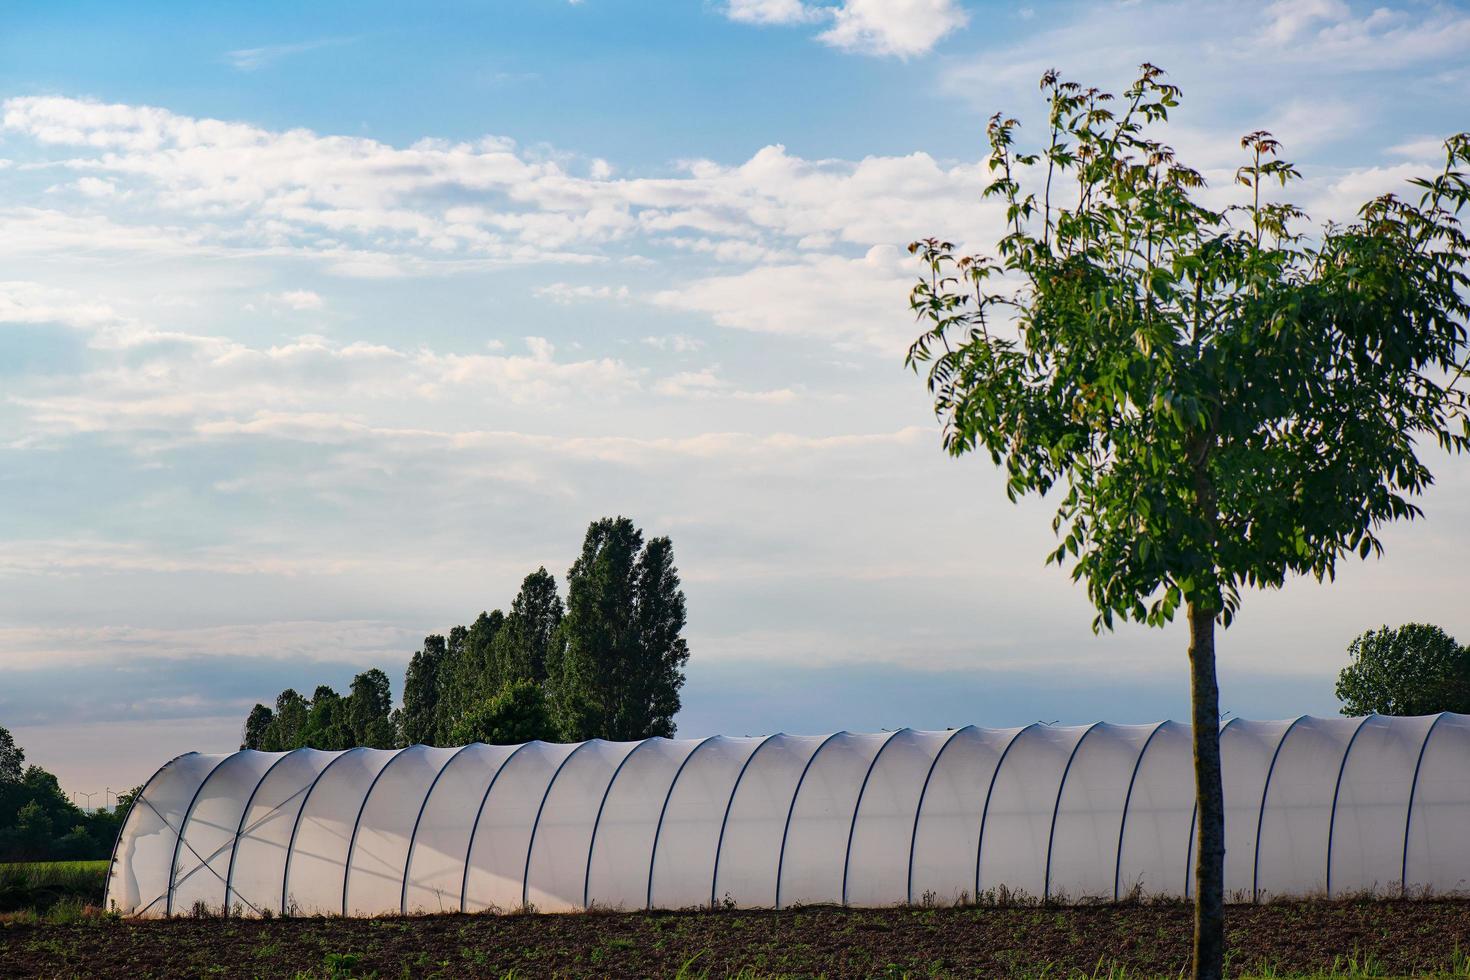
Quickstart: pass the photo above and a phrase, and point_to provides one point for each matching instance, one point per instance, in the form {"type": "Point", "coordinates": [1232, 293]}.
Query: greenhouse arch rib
{"type": "Point", "coordinates": [1409, 809]}
{"type": "Point", "coordinates": [173, 865]}
{"type": "Point", "coordinates": [1056, 807]}
{"type": "Point", "coordinates": [469, 848]}
{"type": "Point", "coordinates": [121, 827]}
{"type": "Point", "coordinates": [1127, 801]}
{"type": "Point", "coordinates": [414, 834]}
{"type": "Point", "coordinates": [985, 812]}
{"type": "Point", "coordinates": [720, 844]}
{"type": "Point", "coordinates": [659, 827]}
{"type": "Point", "coordinates": [240, 828]}
{"type": "Point", "coordinates": [296, 825]}
{"type": "Point", "coordinates": [597, 820]}
{"type": "Point", "coordinates": [352, 841]}
{"type": "Point", "coordinates": [1261, 816]}
{"type": "Point", "coordinates": [857, 805]}
{"type": "Point", "coordinates": [919, 807]}
{"type": "Point", "coordinates": [786, 831]}
{"type": "Point", "coordinates": [531, 844]}
{"type": "Point", "coordinates": [1336, 792]}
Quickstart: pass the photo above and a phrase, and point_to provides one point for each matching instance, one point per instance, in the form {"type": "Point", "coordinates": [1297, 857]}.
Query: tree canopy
{"type": "Point", "coordinates": [1416, 669]}
{"type": "Point", "coordinates": [1220, 399]}
{"type": "Point", "coordinates": [1223, 400]}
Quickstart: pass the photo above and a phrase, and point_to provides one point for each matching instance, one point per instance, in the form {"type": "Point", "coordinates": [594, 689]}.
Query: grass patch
{"type": "Point", "coordinates": [41, 886]}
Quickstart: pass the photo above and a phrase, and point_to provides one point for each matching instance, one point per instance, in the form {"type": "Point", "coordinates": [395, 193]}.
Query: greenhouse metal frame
{"type": "Point", "coordinates": [1313, 807]}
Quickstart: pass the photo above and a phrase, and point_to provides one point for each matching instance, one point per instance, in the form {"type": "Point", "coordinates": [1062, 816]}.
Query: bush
{"type": "Point", "coordinates": [519, 713]}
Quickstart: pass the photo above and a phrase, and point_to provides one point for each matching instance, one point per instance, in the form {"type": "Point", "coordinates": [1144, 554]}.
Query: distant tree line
{"type": "Point", "coordinates": [38, 822]}
{"type": "Point", "coordinates": [606, 662]}
{"type": "Point", "coordinates": [328, 720]}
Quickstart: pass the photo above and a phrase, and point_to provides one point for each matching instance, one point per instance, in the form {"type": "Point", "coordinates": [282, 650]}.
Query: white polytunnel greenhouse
{"type": "Point", "coordinates": [1314, 806]}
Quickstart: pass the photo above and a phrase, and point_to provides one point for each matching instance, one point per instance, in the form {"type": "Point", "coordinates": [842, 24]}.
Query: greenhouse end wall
{"type": "Point", "coordinates": [1314, 807]}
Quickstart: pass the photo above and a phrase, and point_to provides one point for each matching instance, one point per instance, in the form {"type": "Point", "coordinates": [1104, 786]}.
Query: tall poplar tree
{"type": "Point", "coordinates": [524, 643]}
{"type": "Point", "coordinates": [421, 681]}
{"type": "Point", "coordinates": [619, 667]}
{"type": "Point", "coordinates": [484, 632]}
{"type": "Point", "coordinates": [369, 706]}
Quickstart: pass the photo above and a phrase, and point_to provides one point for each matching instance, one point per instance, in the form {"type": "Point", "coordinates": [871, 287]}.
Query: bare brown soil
{"type": "Point", "coordinates": [1383, 938]}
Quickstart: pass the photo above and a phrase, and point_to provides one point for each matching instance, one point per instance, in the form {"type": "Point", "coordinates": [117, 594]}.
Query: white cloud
{"type": "Point", "coordinates": [902, 28]}
{"type": "Point", "coordinates": [772, 12]}
{"type": "Point", "coordinates": [35, 303]}
{"type": "Point", "coordinates": [365, 642]}
{"type": "Point", "coordinates": [96, 187]}
{"type": "Point", "coordinates": [899, 28]}
{"type": "Point", "coordinates": [75, 555]}
{"type": "Point", "coordinates": [1213, 46]}
{"type": "Point", "coordinates": [851, 303]}
{"type": "Point", "coordinates": [1423, 148]}
{"type": "Point", "coordinates": [1327, 32]}
{"type": "Point", "coordinates": [678, 343]}
{"type": "Point", "coordinates": [1289, 19]}
{"type": "Point", "coordinates": [369, 209]}
{"type": "Point", "coordinates": [566, 293]}
{"type": "Point", "coordinates": [152, 381]}
{"type": "Point", "coordinates": [300, 299]}
{"type": "Point", "coordinates": [707, 383]}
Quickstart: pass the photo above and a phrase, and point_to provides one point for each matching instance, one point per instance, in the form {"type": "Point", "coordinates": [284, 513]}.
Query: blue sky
{"type": "Point", "coordinates": [321, 325]}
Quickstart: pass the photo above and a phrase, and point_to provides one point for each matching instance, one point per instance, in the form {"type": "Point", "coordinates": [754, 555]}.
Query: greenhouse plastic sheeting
{"type": "Point", "coordinates": [1313, 806]}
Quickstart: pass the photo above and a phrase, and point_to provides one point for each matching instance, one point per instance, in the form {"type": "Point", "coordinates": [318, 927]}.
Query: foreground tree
{"type": "Point", "coordinates": [1416, 669]}
{"type": "Point", "coordinates": [1222, 402]}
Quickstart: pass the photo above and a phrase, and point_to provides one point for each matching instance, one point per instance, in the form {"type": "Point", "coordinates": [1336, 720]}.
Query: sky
{"type": "Point", "coordinates": [322, 324]}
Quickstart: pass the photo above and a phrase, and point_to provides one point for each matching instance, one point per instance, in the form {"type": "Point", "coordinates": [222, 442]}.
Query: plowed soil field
{"type": "Point", "coordinates": [1356, 939]}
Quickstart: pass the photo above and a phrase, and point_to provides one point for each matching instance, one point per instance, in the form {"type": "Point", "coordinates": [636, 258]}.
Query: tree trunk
{"type": "Point", "coordinates": [1209, 867]}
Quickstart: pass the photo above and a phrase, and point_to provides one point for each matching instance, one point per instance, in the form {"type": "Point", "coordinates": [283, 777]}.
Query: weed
{"type": "Point", "coordinates": [68, 911]}
{"type": "Point", "coordinates": [687, 969]}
